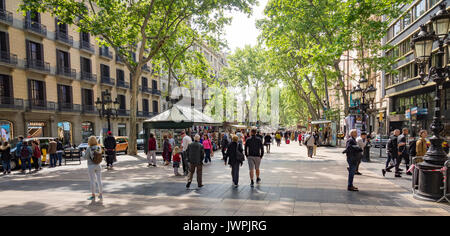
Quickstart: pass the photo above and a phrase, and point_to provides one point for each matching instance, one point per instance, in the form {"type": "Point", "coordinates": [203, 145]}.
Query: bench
{"type": "Point", "coordinates": [72, 155]}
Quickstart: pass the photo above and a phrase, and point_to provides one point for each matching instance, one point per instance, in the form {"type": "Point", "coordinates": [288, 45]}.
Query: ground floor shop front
{"type": "Point", "coordinates": [73, 129]}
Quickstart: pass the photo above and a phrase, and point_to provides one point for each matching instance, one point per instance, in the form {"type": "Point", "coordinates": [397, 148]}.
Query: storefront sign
{"type": "Point", "coordinates": [414, 111]}
{"type": "Point", "coordinates": [422, 111]}
{"type": "Point", "coordinates": [408, 114]}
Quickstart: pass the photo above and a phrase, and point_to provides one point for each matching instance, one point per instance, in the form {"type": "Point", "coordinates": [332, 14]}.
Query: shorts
{"type": "Point", "coordinates": [254, 162]}
{"type": "Point", "coordinates": [176, 164]}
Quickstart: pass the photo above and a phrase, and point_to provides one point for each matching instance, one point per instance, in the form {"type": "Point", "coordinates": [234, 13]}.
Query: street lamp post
{"type": "Point", "coordinates": [365, 95]}
{"type": "Point", "coordinates": [106, 107]}
{"type": "Point", "coordinates": [430, 177]}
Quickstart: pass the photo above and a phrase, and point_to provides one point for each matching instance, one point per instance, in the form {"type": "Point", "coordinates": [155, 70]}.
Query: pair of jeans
{"type": "Point", "coordinates": [207, 155]}
{"type": "Point", "coordinates": [53, 158]}
{"type": "Point", "coordinates": [26, 163]}
{"type": "Point", "coordinates": [95, 177]}
{"type": "Point", "coordinates": [59, 155]}
{"type": "Point", "coordinates": [351, 170]}
{"type": "Point", "coordinates": [6, 166]}
{"type": "Point", "coordinates": [36, 163]}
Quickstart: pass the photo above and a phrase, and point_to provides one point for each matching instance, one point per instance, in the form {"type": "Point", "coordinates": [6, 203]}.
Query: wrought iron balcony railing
{"type": "Point", "coordinates": [38, 65]}
{"type": "Point", "coordinates": [65, 38]}
{"type": "Point", "coordinates": [35, 27]}
{"type": "Point", "coordinates": [6, 17]}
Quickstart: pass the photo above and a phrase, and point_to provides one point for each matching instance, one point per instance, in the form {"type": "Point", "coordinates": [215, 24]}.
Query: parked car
{"type": "Point", "coordinates": [122, 144]}
{"type": "Point", "coordinates": [380, 141]}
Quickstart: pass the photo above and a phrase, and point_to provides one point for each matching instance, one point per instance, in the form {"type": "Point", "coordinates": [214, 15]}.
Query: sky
{"type": "Point", "coordinates": [242, 30]}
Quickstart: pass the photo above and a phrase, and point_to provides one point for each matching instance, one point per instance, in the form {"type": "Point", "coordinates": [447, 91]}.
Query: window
{"type": "Point", "coordinates": [155, 106]}
{"type": "Point", "coordinates": [63, 59]}
{"type": "Point", "coordinates": [154, 84]}
{"type": "Point", "coordinates": [85, 37]}
{"type": "Point", "coordinates": [4, 45]}
{"type": "Point", "coordinates": [35, 51]}
{"type": "Point", "coordinates": [397, 28]}
{"type": "Point", "coordinates": [61, 28]}
{"type": "Point", "coordinates": [120, 75]}
{"type": "Point", "coordinates": [432, 3]}
{"type": "Point", "coordinates": [122, 131]}
{"type": "Point", "coordinates": [145, 105]}
{"type": "Point", "coordinates": [2, 5]}
{"type": "Point", "coordinates": [419, 9]}
{"type": "Point", "coordinates": [104, 70]}
{"type": "Point", "coordinates": [5, 87]}
{"type": "Point", "coordinates": [122, 101]}
{"type": "Point", "coordinates": [144, 82]}
{"type": "Point", "coordinates": [407, 19]}
{"type": "Point", "coordinates": [86, 65]}
{"type": "Point", "coordinates": [87, 97]}
{"type": "Point", "coordinates": [36, 92]}
{"type": "Point", "coordinates": [64, 96]}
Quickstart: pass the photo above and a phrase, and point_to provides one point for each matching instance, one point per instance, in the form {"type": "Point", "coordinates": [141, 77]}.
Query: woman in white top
{"type": "Point", "coordinates": [95, 170]}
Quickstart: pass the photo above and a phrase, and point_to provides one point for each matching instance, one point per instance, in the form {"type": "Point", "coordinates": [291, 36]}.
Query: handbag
{"type": "Point", "coordinates": [240, 156]}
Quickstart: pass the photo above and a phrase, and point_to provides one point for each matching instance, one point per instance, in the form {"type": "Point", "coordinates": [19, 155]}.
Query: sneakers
{"type": "Point", "coordinates": [358, 173]}
{"type": "Point", "coordinates": [201, 185]}
{"type": "Point", "coordinates": [398, 175]}
{"type": "Point", "coordinates": [91, 198]}
{"type": "Point", "coordinates": [188, 185]}
{"type": "Point", "coordinates": [258, 180]}
{"type": "Point", "coordinates": [252, 184]}
{"type": "Point", "coordinates": [383, 171]}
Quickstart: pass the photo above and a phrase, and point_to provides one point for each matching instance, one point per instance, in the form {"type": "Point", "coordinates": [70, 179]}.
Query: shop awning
{"type": "Point", "coordinates": [180, 117]}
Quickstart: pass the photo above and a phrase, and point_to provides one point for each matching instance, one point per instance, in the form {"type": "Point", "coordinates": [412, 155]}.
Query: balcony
{"type": "Point", "coordinates": [145, 90]}
{"type": "Point", "coordinates": [123, 112]}
{"type": "Point", "coordinates": [119, 60]}
{"type": "Point", "coordinates": [156, 92]}
{"type": "Point", "coordinates": [69, 107]}
{"type": "Point", "coordinates": [42, 105]}
{"type": "Point", "coordinates": [8, 59]}
{"type": "Point", "coordinates": [108, 81]}
{"type": "Point", "coordinates": [88, 109]}
{"type": "Point", "coordinates": [122, 84]}
{"type": "Point", "coordinates": [38, 66]}
{"type": "Point", "coordinates": [146, 68]}
{"type": "Point", "coordinates": [11, 103]}
{"type": "Point", "coordinates": [146, 114]}
{"type": "Point", "coordinates": [87, 47]}
{"type": "Point", "coordinates": [6, 17]}
{"type": "Point", "coordinates": [105, 53]}
{"type": "Point", "coordinates": [36, 28]}
{"type": "Point", "coordinates": [64, 38]}
{"type": "Point", "coordinates": [88, 77]}
{"type": "Point", "coordinates": [66, 72]}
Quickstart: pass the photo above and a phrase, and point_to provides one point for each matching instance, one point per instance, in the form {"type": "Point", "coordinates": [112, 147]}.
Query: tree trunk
{"type": "Point", "coordinates": [132, 140]}
{"type": "Point", "coordinates": [311, 86]}
{"type": "Point", "coordinates": [325, 78]}
{"type": "Point", "coordinates": [342, 87]}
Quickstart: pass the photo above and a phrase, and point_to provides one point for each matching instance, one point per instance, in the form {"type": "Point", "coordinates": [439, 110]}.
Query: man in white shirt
{"type": "Point", "coordinates": [184, 145]}
{"type": "Point", "coordinates": [362, 143]}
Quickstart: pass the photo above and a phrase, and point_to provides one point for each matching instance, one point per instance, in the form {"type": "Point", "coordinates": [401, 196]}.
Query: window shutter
{"type": "Point", "coordinates": [28, 49]}
{"type": "Point", "coordinates": [7, 42]}
{"type": "Point", "coordinates": [41, 46]}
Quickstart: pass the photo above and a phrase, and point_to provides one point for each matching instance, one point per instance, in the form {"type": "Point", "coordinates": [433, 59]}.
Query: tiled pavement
{"type": "Point", "coordinates": [292, 185]}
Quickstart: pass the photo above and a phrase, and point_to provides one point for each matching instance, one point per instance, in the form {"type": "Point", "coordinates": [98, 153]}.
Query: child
{"type": "Point", "coordinates": [176, 160]}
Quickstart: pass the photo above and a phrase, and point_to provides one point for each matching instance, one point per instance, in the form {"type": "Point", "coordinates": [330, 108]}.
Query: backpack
{"type": "Point", "coordinates": [239, 155]}
{"type": "Point", "coordinates": [24, 152]}
{"type": "Point", "coordinates": [97, 158]}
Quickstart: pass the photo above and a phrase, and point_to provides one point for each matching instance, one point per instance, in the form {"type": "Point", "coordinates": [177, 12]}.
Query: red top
{"type": "Point", "coordinates": [176, 157]}
{"type": "Point", "coordinates": [151, 144]}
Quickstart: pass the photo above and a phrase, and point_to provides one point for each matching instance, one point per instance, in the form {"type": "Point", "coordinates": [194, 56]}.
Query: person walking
{"type": "Point", "coordinates": [207, 146]}
{"type": "Point", "coordinates": [5, 153]}
{"type": "Point", "coordinates": [300, 135]}
{"type": "Point", "coordinates": [59, 151]}
{"type": "Point", "coordinates": [278, 139]}
{"type": "Point", "coordinates": [310, 142]}
{"type": "Point", "coordinates": [185, 142]}
{"type": "Point", "coordinates": [166, 150]}
{"type": "Point", "coordinates": [254, 151]}
{"type": "Point", "coordinates": [354, 154]}
{"type": "Point", "coordinates": [316, 142]}
{"type": "Point", "coordinates": [151, 150]}
{"type": "Point", "coordinates": [25, 157]}
{"type": "Point", "coordinates": [176, 160]}
{"type": "Point", "coordinates": [195, 155]}
{"type": "Point", "coordinates": [19, 146]}
{"type": "Point", "coordinates": [393, 154]}
{"type": "Point", "coordinates": [110, 147]}
{"type": "Point", "coordinates": [36, 155]}
{"type": "Point", "coordinates": [234, 158]}
{"type": "Point", "coordinates": [362, 143]}
{"type": "Point", "coordinates": [52, 146]}
{"type": "Point", "coordinates": [94, 167]}
{"type": "Point", "coordinates": [172, 146]}
{"type": "Point", "coordinates": [224, 145]}
{"type": "Point", "coordinates": [403, 150]}
{"type": "Point", "coordinates": [267, 142]}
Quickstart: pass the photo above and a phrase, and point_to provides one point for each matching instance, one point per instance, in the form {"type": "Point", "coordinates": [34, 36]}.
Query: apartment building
{"type": "Point", "coordinates": [409, 103]}
{"type": "Point", "coordinates": [51, 75]}
{"type": "Point", "coordinates": [216, 60]}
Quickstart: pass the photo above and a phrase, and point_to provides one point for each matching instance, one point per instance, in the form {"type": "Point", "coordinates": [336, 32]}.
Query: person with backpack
{"type": "Point", "coordinates": [310, 142]}
{"type": "Point", "coordinates": [94, 157]}
{"type": "Point", "coordinates": [36, 155]}
{"type": "Point", "coordinates": [110, 146]}
{"type": "Point", "coordinates": [235, 158]}
{"type": "Point", "coordinates": [5, 153]}
{"type": "Point", "coordinates": [25, 156]}
{"type": "Point", "coordinates": [59, 151]}
{"type": "Point", "coordinates": [207, 145]}
{"type": "Point", "coordinates": [52, 146]}
{"type": "Point", "coordinates": [254, 151]}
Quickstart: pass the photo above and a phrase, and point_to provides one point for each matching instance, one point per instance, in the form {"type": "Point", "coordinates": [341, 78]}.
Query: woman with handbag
{"type": "Point", "coordinates": [235, 158]}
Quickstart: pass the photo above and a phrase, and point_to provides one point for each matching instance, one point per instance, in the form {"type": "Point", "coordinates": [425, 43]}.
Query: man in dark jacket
{"type": "Point", "coordinates": [110, 146]}
{"type": "Point", "coordinates": [195, 155]}
{"type": "Point", "coordinates": [254, 151]}
{"type": "Point", "coordinates": [392, 150]}
{"type": "Point", "coordinates": [353, 152]}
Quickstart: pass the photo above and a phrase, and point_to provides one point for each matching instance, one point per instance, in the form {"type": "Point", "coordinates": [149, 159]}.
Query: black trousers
{"type": "Point", "coordinates": [35, 163]}
{"type": "Point", "coordinates": [235, 172]}
{"type": "Point", "coordinates": [397, 161]}
{"type": "Point", "coordinates": [185, 162]}
{"type": "Point", "coordinates": [110, 159]}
